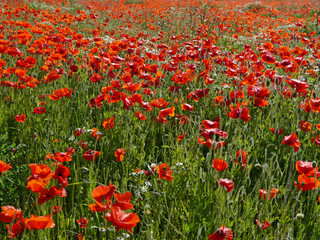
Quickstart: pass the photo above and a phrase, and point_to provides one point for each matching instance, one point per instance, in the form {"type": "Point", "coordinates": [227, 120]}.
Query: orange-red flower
{"type": "Point", "coordinates": [187, 107]}
{"type": "Point", "coordinates": [61, 174]}
{"type": "Point", "coordinates": [122, 220]}
{"type": "Point", "coordinates": [242, 157]}
{"type": "Point", "coordinates": [306, 168]}
{"type": "Point", "coordinates": [263, 226]}
{"type": "Point", "coordinates": [99, 207]}
{"type": "Point", "coordinates": [4, 167]}
{"type": "Point", "coordinates": [299, 86]}
{"type": "Point", "coordinates": [36, 185]}
{"type": "Point", "coordinates": [237, 112]}
{"type": "Point", "coordinates": [276, 131]}
{"type": "Point", "coordinates": [9, 214]}
{"type": "Point", "coordinates": [306, 183]}
{"type": "Point", "coordinates": [57, 94]}
{"type": "Point", "coordinates": [219, 164]}
{"type": "Point", "coordinates": [82, 222]}
{"type": "Point", "coordinates": [46, 195]}
{"type": "Point", "coordinates": [20, 118]}
{"type": "Point", "coordinates": [292, 141]}
{"type": "Point", "coordinates": [39, 222]}
{"type": "Point", "coordinates": [227, 183]}
{"type": "Point", "coordinates": [315, 104]}
{"type": "Point", "coordinates": [119, 154]}
{"type": "Point", "coordinates": [141, 116]}
{"type": "Point", "coordinates": [267, 57]}
{"type": "Point", "coordinates": [222, 233]}
{"type": "Point", "coordinates": [165, 172]}
{"type": "Point", "coordinates": [264, 193]}
{"type": "Point", "coordinates": [103, 192]}
{"type": "Point", "coordinates": [41, 171]}
{"type": "Point", "coordinates": [91, 155]}
{"type": "Point", "coordinates": [108, 123]}
{"type": "Point", "coordinates": [305, 126]}
{"type": "Point", "coordinates": [39, 110]}
{"type": "Point", "coordinates": [17, 228]}
{"type": "Point", "coordinates": [123, 200]}
{"type": "Point", "coordinates": [159, 103]}
{"type": "Point", "coordinates": [179, 138]}
{"type": "Point", "coordinates": [167, 112]}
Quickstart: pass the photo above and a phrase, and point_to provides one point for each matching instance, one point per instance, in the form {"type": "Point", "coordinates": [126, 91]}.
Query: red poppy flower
{"type": "Point", "coordinates": [276, 131]}
{"type": "Point", "coordinates": [82, 222]}
{"type": "Point", "coordinates": [263, 226]}
{"type": "Point", "coordinates": [9, 214]}
{"type": "Point", "coordinates": [242, 156]}
{"type": "Point", "coordinates": [263, 193]}
{"type": "Point", "coordinates": [306, 168]}
{"type": "Point", "coordinates": [61, 174]}
{"type": "Point", "coordinates": [207, 124]}
{"type": "Point", "coordinates": [315, 104]}
{"type": "Point", "coordinates": [56, 209]}
{"type": "Point", "coordinates": [227, 183]}
{"type": "Point", "coordinates": [316, 140]}
{"type": "Point", "coordinates": [119, 154]}
{"type": "Point", "coordinates": [20, 118]}
{"type": "Point", "coordinates": [4, 167]}
{"type": "Point", "coordinates": [73, 68]}
{"type": "Point", "coordinates": [39, 110]}
{"type": "Point", "coordinates": [123, 200]}
{"type": "Point", "coordinates": [99, 207]}
{"type": "Point", "coordinates": [222, 233]}
{"type": "Point", "coordinates": [103, 192]}
{"type": "Point", "coordinates": [267, 57]}
{"type": "Point", "coordinates": [292, 141]}
{"type": "Point", "coordinates": [36, 185]}
{"type": "Point", "coordinates": [79, 132]}
{"type": "Point", "coordinates": [165, 172]}
{"type": "Point", "coordinates": [17, 228]}
{"type": "Point", "coordinates": [108, 123]}
{"type": "Point", "coordinates": [91, 155]}
{"type": "Point", "coordinates": [305, 126]}
{"type": "Point", "coordinates": [46, 195]}
{"type": "Point", "coordinates": [237, 112]}
{"type": "Point", "coordinates": [187, 107]}
{"type": "Point", "coordinates": [39, 222]}
{"type": "Point", "coordinates": [207, 133]}
{"type": "Point", "coordinates": [96, 78]}
{"type": "Point", "coordinates": [306, 183]}
{"type": "Point", "coordinates": [141, 116]}
{"type": "Point", "coordinates": [167, 112]}
{"type": "Point", "coordinates": [219, 164]}
{"type": "Point", "coordinates": [60, 156]}
{"type": "Point", "coordinates": [299, 86]}
{"type": "Point", "coordinates": [122, 220]}
{"type": "Point", "coordinates": [57, 94]}
{"type": "Point", "coordinates": [179, 138]}
{"type": "Point", "coordinates": [41, 171]}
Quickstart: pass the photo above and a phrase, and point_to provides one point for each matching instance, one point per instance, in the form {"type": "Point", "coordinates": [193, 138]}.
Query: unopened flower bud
{"type": "Point", "coordinates": [314, 164]}
{"type": "Point", "coordinates": [300, 215]}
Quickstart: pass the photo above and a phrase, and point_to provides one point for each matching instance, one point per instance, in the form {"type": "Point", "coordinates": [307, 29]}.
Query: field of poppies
{"type": "Point", "coordinates": [167, 119]}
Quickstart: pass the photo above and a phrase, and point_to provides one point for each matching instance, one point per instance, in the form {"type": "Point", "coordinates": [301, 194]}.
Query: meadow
{"type": "Point", "coordinates": [144, 119]}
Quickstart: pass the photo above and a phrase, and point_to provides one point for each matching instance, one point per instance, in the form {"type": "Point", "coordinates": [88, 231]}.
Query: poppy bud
{"type": "Point", "coordinates": [314, 164]}
{"type": "Point", "coordinates": [258, 165]}
{"type": "Point", "coordinates": [300, 215]}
